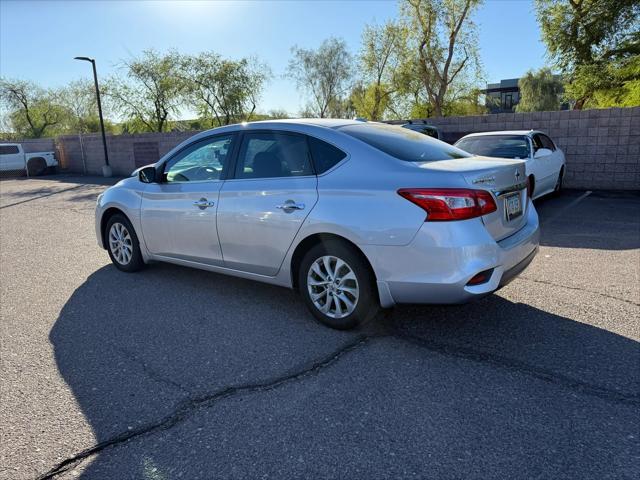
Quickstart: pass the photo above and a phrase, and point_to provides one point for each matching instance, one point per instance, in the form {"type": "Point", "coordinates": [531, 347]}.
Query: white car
{"type": "Point", "coordinates": [13, 158]}
{"type": "Point", "coordinates": [544, 161]}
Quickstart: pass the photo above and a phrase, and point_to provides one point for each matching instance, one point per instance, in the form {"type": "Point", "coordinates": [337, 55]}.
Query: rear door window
{"type": "Point", "coordinates": [273, 154]}
{"type": "Point", "coordinates": [402, 143]}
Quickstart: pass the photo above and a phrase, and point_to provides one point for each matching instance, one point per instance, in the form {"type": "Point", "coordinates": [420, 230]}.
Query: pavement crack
{"type": "Point", "coordinates": [508, 363]}
{"type": "Point", "coordinates": [191, 405]}
{"type": "Point", "coordinates": [580, 289]}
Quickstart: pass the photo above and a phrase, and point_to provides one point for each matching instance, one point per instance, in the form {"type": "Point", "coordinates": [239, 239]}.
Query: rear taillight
{"type": "Point", "coordinates": [529, 187]}
{"type": "Point", "coordinates": [445, 204]}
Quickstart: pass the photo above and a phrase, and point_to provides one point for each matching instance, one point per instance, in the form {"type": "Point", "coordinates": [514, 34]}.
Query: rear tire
{"type": "Point", "coordinates": [36, 166]}
{"type": "Point", "coordinates": [338, 286]}
{"type": "Point", "coordinates": [122, 244]}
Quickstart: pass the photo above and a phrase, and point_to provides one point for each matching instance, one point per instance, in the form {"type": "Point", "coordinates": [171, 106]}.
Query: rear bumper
{"type": "Point", "coordinates": [437, 265]}
{"type": "Point", "coordinates": [514, 271]}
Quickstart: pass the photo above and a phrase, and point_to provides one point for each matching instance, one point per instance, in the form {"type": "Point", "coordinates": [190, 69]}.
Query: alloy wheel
{"type": "Point", "coordinates": [333, 286]}
{"type": "Point", "coordinates": [120, 243]}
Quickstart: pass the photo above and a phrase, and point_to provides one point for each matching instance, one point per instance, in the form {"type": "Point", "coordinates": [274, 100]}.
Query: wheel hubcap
{"type": "Point", "coordinates": [333, 286]}
{"type": "Point", "coordinates": [120, 243]}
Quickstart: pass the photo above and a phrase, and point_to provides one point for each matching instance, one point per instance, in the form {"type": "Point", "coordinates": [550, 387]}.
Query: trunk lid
{"type": "Point", "coordinates": [504, 178]}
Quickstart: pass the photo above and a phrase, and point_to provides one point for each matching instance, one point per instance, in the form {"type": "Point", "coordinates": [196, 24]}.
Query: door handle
{"type": "Point", "coordinates": [289, 206]}
{"type": "Point", "coordinates": [203, 203]}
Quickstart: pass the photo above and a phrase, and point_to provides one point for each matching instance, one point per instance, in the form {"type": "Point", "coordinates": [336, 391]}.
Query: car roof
{"type": "Point", "coordinates": [503, 132]}
{"type": "Point", "coordinates": [332, 123]}
{"type": "Point", "coordinates": [320, 122]}
{"type": "Point", "coordinates": [328, 123]}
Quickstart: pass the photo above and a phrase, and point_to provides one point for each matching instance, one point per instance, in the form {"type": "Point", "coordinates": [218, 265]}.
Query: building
{"type": "Point", "coordinates": [502, 97]}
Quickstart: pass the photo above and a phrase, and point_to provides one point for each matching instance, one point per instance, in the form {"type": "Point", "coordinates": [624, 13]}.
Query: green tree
{"type": "Point", "coordinates": [444, 39]}
{"type": "Point", "coordinates": [78, 98]}
{"type": "Point", "coordinates": [469, 102]}
{"type": "Point", "coordinates": [324, 74]}
{"type": "Point", "coordinates": [596, 43]}
{"type": "Point", "coordinates": [277, 114]}
{"type": "Point", "coordinates": [383, 49]}
{"type": "Point", "coordinates": [224, 91]}
{"type": "Point", "coordinates": [539, 91]}
{"type": "Point", "coordinates": [33, 112]}
{"type": "Point", "coordinates": [151, 93]}
{"type": "Point", "coordinates": [370, 101]}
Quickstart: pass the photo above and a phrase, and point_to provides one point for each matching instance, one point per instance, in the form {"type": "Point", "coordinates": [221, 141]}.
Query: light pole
{"type": "Point", "coordinates": [106, 168]}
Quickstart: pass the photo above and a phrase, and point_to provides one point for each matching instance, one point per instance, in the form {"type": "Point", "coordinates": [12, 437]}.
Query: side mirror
{"type": "Point", "coordinates": [147, 175]}
{"type": "Point", "coordinates": [542, 152]}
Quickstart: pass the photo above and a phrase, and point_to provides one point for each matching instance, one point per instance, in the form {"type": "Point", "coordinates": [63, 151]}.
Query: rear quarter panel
{"type": "Point", "coordinates": [359, 200]}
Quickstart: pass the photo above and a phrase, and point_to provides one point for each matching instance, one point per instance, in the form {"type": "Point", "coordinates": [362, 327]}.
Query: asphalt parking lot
{"type": "Point", "coordinates": [177, 373]}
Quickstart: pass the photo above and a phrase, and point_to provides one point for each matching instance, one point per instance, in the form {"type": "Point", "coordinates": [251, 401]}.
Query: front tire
{"type": "Point", "coordinates": [338, 286]}
{"type": "Point", "coordinates": [122, 244]}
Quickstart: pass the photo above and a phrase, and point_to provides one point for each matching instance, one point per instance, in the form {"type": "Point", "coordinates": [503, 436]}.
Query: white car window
{"type": "Point", "coordinates": [547, 143]}
{"type": "Point", "coordinates": [9, 149]}
{"type": "Point", "coordinates": [501, 146]}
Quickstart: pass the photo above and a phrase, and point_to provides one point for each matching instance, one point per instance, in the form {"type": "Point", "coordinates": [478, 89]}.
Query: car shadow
{"type": "Point", "coordinates": [134, 348]}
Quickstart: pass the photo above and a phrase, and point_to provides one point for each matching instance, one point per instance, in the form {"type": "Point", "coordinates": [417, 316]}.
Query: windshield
{"type": "Point", "coordinates": [501, 146]}
{"type": "Point", "coordinates": [403, 143]}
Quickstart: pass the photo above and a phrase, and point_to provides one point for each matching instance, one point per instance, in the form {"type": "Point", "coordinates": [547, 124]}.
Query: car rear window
{"type": "Point", "coordinates": [423, 129]}
{"type": "Point", "coordinates": [402, 143]}
{"type": "Point", "coordinates": [501, 146]}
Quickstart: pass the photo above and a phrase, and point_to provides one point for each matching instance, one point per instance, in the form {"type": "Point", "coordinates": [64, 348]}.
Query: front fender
{"type": "Point", "coordinates": [125, 196]}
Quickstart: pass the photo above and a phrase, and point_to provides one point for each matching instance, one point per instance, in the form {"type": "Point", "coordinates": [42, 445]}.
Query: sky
{"type": "Point", "coordinates": [38, 39]}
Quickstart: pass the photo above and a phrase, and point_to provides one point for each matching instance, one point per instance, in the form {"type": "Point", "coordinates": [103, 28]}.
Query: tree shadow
{"type": "Point", "coordinates": [134, 348]}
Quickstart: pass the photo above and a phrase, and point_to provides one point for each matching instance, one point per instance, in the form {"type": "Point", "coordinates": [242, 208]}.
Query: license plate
{"type": "Point", "coordinates": [512, 206]}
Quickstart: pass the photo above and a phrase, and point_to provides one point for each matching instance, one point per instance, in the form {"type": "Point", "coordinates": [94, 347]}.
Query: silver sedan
{"type": "Point", "coordinates": [354, 215]}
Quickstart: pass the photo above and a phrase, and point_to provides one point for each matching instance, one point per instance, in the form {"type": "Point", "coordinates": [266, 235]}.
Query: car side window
{"type": "Point", "coordinates": [204, 160]}
{"type": "Point", "coordinates": [272, 155]}
{"type": "Point", "coordinates": [8, 149]}
{"type": "Point", "coordinates": [537, 143]}
{"type": "Point", "coordinates": [324, 155]}
{"type": "Point", "coordinates": [547, 143]}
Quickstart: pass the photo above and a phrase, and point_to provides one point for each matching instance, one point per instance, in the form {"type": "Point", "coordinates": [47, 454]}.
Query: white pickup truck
{"type": "Point", "coordinates": [13, 158]}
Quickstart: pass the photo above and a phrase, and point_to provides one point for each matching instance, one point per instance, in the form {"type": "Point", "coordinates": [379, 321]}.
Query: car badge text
{"type": "Point", "coordinates": [484, 180]}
